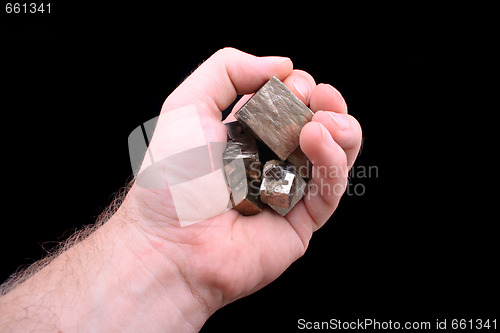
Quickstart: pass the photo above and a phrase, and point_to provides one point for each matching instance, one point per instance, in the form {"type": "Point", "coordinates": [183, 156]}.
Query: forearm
{"type": "Point", "coordinates": [113, 280]}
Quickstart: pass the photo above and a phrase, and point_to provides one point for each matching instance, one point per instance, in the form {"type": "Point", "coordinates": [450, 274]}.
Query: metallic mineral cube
{"type": "Point", "coordinates": [242, 170]}
{"type": "Point", "coordinates": [281, 186]}
{"type": "Point", "coordinates": [276, 117]}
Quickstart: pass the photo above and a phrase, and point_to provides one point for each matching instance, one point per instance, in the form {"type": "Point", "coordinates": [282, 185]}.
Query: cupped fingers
{"type": "Point", "coordinates": [301, 84]}
{"type": "Point", "coordinates": [330, 109]}
{"type": "Point", "coordinates": [345, 131]}
{"type": "Point", "coordinates": [326, 97]}
{"type": "Point", "coordinates": [329, 178]}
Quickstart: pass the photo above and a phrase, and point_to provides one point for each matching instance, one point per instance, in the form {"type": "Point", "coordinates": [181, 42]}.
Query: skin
{"type": "Point", "coordinates": [140, 271]}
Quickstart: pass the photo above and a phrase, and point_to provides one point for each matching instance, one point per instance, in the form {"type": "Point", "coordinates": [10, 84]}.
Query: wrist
{"type": "Point", "coordinates": [147, 280]}
{"type": "Point", "coordinates": [113, 280]}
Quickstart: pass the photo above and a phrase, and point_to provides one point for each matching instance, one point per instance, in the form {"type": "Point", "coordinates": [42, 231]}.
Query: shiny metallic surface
{"type": "Point", "coordinates": [275, 116]}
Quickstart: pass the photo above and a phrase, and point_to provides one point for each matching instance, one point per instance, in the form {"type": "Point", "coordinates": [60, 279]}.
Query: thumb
{"type": "Point", "coordinates": [227, 73]}
{"type": "Point", "coordinates": [183, 155]}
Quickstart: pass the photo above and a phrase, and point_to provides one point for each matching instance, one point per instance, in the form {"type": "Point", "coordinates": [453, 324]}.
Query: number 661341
{"type": "Point", "coordinates": [27, 8]}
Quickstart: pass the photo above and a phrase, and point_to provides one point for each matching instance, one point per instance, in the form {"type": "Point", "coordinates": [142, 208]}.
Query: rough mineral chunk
{"type": "Point", "coordinates": [242, 170]}
{"type": "Point", "coordinates": [281, 186]}
{"type": "Point", "coordinates": [300, 190]}
{"type": "Point", "coordinates": [276, 117]}
{"type": "Point", "coordinates": [301, 163]}
{"type": "Point", "coordinates": [277, 184]}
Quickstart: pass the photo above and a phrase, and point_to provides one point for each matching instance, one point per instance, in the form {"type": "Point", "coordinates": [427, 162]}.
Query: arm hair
{"type": "Point", "coordinates": [23, 274]}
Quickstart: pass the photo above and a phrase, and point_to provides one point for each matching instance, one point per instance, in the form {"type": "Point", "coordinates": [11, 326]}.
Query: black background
{"type": "Point", "coordinates": [418, 245]}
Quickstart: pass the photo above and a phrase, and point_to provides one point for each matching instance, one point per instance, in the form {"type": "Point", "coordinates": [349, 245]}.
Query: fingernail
{"type": "Point", "coordinates": [340, 119]}
{"type": "Point", "coordinates": [302, 88]}
{"type": "Point", "coordinates": [326, 138]}
{"type": "Point", "coordinates": [277, 60]}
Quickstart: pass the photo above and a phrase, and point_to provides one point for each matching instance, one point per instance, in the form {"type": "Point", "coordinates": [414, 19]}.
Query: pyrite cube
{"type": "Point", "coordinates": [281, 186]}
{"type": "Point", "coordinates": [301, 163]}
{"type": "Point", "coordinates": [300, 191]}
{"type": "Point", "coordinates": [242, 170]}
{"type": "Point", "coordinates": [276, 117]}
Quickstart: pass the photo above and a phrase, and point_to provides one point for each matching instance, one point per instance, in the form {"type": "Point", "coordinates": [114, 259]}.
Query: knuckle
{"type": "Point", "coordinates": [355, 131]}
{"type": "Point", "coordinates": [356, 124]}
{"type": "Point", "coordinates": [227, 52]}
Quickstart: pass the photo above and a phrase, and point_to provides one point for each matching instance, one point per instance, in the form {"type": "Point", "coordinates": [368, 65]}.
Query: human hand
{"type": "Point", "coordinates": [142, 270]}
{"type": "Point", "coordinates": [228, 256]}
